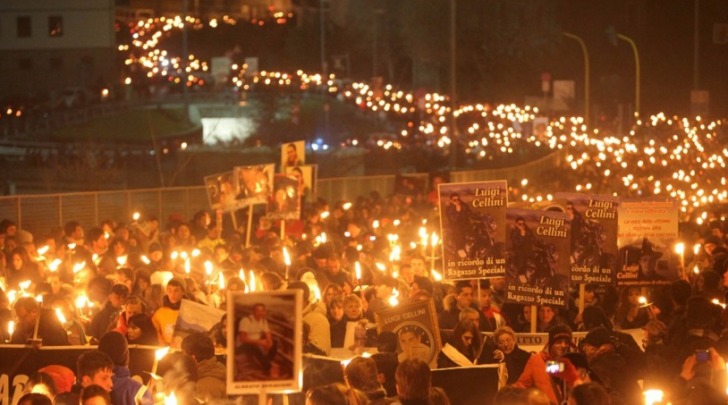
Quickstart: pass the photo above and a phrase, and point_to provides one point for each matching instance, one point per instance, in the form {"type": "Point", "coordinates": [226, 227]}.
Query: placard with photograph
{"type": "Point", "coordinates": [417, 330]}
{"type": "Point", "coordinates": [308, 176]}
{"type": "Point", "coordinates": [254, 184]}
{"type": "Point", "coordinates": [472, 223]}
{"type": "Point", "coordinates": [285, 202]}
{"type": "Point", "coordinates": [264, 344]}
{"type": "Point", "coordinates": [538, 249]}
{"type": "Point", "coordinates": [593, 236]}
{"type": "Point", "coordinates": [221, 191]}
{"type": "Point", "coordinates": [293, 154]}
{"type": "Point", "coordinates": [647, 231]}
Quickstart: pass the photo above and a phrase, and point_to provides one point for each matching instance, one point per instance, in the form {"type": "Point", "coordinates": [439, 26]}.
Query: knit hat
{"type": "Point", "coordinates": [62, 376]}
{"type": "Point", "coordinates": [597, 337]}
{"type": "Point", "coordinates": [115, 346]}
{"type": "Point", "coordinates": [594, 316]}
{"type": "Point", "coordinates": [559, 332]}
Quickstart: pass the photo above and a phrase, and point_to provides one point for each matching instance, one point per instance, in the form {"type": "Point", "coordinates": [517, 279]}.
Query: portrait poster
{"type": "Point", "coordinates": [264, 346]}
{"type": "Point", "coordinates": [254, 184]}
{"type": "Point", "coordinates": [308, 175]}
{"type": "Point", "coordinates": [417, 330]}
{"type": "Point", "coordinates": [194, 317]}
{"type": "Point", "coordinates": [284, 203]}
{"type": "Point", "coordinates": [593, 236]}
{"type": "Point", "coordinates": [221, 191]}
{"type": "Point", "coordinates": [647, 233]}
{"type": "Point", "coordinates": [472, 223]}
{"type": "Point", "coordinates": [537, 257]}
{"type": "Point", "coordinates": [292, 154]}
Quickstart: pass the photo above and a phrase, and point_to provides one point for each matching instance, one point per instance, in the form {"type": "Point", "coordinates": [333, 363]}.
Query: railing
{"type": "Point", "coordinates": [38, 214]}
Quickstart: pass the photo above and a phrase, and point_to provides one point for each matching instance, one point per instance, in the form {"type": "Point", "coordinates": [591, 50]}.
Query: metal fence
{"type": "Point", "coordinates": [38, 214]}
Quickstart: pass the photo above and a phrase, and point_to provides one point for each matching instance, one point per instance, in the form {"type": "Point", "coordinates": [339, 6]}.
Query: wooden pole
{"type": "Point", "coordinates": [250, 225]}
{"type": "Point", "coordinates": [534, 318]}
{"type": "Point", "coordinates": [582, 291]}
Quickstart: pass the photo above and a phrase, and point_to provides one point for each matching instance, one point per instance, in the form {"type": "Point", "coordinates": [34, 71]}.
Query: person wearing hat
{"type": "Point", "coordinates": [534, 374]}
{"type": "Point", "coordinates": [165, 318]}
{"type": "Point", "coordinates": [124, 390]}
{"type": "Point", "coordinates": [609, 366]}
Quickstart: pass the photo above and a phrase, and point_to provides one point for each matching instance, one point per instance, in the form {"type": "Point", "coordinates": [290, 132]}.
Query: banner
{"type": "Point", "coordinates": [472, 220]}
{"type": "Point", "coordinates": [254, 184]}
{"type": "Point", "coordinates": [194, 317]}
{"type": "Point", "coordinates": [647, 232]}
{"type": "Point", "coordinates": [417, 330]}
{"type": "Point", "coordinates": [593, 236]}
{"type": "Point", "coordinates": [538, 248]}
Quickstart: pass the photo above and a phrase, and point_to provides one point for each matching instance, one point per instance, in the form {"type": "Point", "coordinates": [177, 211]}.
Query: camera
{"type": "Point", "coordinates": [702, 355]}
{"type": "Point", "coordinates": [554, 367]}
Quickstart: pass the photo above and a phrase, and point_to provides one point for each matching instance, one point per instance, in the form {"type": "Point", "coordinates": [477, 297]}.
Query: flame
{"type": "Point", "coordinates": [78, 267]}
{"type": "Point", "coordinates": [171, 399]}
{"type": "Point", "coordinates": [195, 252]}
{"type": "Point", "coordinates": [187, 266]}
{"type": "Point", "coordinates": [434, 239]}
{"type": "Point", "coordinates": [346, 206]}
{"type": "Point", "coordinates": [11, 327]}
{"type": "Point", "coordinates": [53, 266]}
{"type": "Point", "coordinates": [241, 275]}
{"type": "Point", "coordinates": [380, 266]}
{"type": "Point", "coordinates": [680, 248]}
{"type": "Point", "coordinates": [24, 285]}
{"type": "Point", "coordinates": [653, 397]}
{"type": "Point", "coordinates": [252, 281]}
{"type": "Point", "coordinates": [394, 300]}
{"type": "Point", "coordinates": [174, 255]}
{"type": "Point", "coordinates": [60, 316]}
{"type": "Point", "coordinates": [145, 259]}
{"type": "Point", "coordinates": [208, 268]}
{"type": "Point", "coordinates": [286, 257]}
{"type": "Point", "coordinates": [436, 275]}
{"type": "Point", "coordinates": [135, 216]}
{"type": "Point", "coordinates": [43, 250]}
{"type": "Point", "coordinates": [357, 269]}
{"type": "Point", "coordinates": [221, 281]}
{"type": "Point", "coordinates": [121, 260]}
{"type": "Point", "coordinates": [160, 353]}
{"type": "Point", "coordinates": [81, 301]}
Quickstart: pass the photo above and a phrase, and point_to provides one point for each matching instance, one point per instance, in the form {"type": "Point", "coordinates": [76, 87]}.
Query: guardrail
{"type": "Point", "coordinates": [38, 214]}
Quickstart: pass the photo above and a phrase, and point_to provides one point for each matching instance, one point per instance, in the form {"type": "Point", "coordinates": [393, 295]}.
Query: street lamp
{"type": "Point", "coordinates": [637, 71]}
{"type": "Point", "coordinates": [586, 73]}
{"type": "Point", "coordinates": [453, 88]}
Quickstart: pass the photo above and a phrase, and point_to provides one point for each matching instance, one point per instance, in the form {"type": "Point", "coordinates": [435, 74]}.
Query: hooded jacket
{"type": "Point", "coordinates": [210, 380]}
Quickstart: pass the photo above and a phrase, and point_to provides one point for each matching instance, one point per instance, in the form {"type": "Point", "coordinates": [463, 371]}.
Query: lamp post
{"type": "Point", "coordinates": [637, 71]}
{"type": "Point", "coordinates": [453, 89]}
{"type": "Point", "coordinates": [585, 52]}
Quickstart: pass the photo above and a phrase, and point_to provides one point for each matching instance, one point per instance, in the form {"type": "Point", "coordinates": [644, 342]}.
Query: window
{"type": "Point", "coordinates": [55, 26]}
{"type": "Point", "coordinates": [56, 63]}
{"type": "Point", "coordinates": [24, 27]}
{"type": "Point", "coordinates": [25, 64]}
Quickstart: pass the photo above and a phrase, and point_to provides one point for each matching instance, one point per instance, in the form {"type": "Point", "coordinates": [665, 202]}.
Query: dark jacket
{"type": "Point", "coordinates": [616, 376]}
{"type": "Point", "coordinates": [49, 329]}
{"type": "Point", "coordinates": [102, 322]}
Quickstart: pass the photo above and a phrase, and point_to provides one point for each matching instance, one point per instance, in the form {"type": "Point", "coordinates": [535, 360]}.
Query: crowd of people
{"type": "Point", "coordinates": [111, 285]}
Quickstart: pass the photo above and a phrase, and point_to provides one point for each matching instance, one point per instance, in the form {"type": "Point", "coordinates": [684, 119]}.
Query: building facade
{"type": "Point", "coordinates": [49, 45]}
